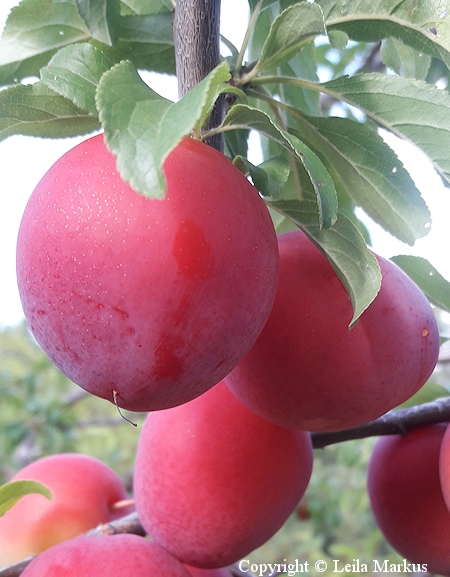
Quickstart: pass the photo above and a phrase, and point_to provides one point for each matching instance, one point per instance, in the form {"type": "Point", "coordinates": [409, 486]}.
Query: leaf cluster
{"type": "Point", "coordinates": [317, 80]}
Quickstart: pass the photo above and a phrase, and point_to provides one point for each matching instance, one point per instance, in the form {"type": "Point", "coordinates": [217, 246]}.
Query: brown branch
{"type": "Point", "coordinates": [196, 28]}
{"type": "Point", "coordinates": [397, 422]}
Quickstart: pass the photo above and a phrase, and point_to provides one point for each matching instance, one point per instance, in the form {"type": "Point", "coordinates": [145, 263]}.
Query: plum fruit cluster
{"type": "Point", "coordinates": [235, 341]}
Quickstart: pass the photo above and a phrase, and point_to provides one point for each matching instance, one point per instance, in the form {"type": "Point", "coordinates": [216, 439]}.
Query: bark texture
{"type": "Point", "coordinates": [196, 29]}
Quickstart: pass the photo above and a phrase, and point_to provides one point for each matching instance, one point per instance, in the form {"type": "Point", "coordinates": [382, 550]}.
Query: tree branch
{"type": "Point", "coordinates": [397, 422]}
{"type": "Point", "coordinates": [196, 28]}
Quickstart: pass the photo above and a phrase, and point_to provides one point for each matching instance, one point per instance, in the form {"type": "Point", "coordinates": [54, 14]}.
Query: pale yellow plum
{"type": "Point", "coordinates": [86, 493]}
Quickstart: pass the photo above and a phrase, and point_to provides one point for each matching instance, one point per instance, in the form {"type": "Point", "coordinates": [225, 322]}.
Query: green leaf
{"type": "Point", "coordinates": [344, 247]}
{"type": "Point", "coordinates": [141, 128]}
{"type": "Point", "coordinates": [293, 28]}
{"type": "Point", "coordinates": [35, 110]}
{"type": "Point", "coordinates": [404, 60]}
{"type": "Point", "coordinates": [101, 18]}
{"type": "Point", "coordinates": [259, 34]}
{"type": "Point", "coordinates": [145, 6]}
{"type": "Point", "coordinates": [424, 25]}
{"type": "Point", "coordinates": [321, 180]}
{"type": "Point", "coordinates": [12, 492]}
{"type": "Point", "coordinates": [74, 72]}
{"type": "Point", "coordinates": [236, 143]}
{"type": "Point", "coordinates": [264, 3]}
{"type": "Point", "coordinates": [270, 176]}
{"type": "Point", "coordinates": [304, 65]}
{"type": "Point", "coordinates": [148, 42]}
{"type": "Point", "coordinates": [243, 116]}
{"type": "Point", "coordinates": [338, 40]}
{"type": "Point", "coordinates": [435, 287]}
{"type": "Point", "coordinates": [411, 109]}
{"type": "Point", "coordinates": [33, 32]}
{"type": "Point", "coordinates": [369, 172]}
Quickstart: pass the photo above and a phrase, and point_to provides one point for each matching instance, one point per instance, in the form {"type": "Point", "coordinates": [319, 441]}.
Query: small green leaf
{"type": "Point", "coordinates": [236, 143]}
{"type": "Point", "coordinates": [270, 176]}
{"type": "Point", "coordinates": [435, 287]}
{"type": "Point", "coordinates": [338, 40]}
{"type": "Point", "coordinates": [35, 110]}
{"type": "Point", "coordinates": [344, 247]}
{"type": "Point", "coordinates": [74, 72]}
{"type": "Point", "coordinates": [243, 116]}
{"type": "Point", "coordinates": [102, 18]}
{"type": "Point", "coordinates": [293, 28]}
{"type": "Point", "coordinates": [12, 492]}
{"type": "Point", "coordinates": [404, 60]}
{"type": "Point", "coordinates": [141, 128]}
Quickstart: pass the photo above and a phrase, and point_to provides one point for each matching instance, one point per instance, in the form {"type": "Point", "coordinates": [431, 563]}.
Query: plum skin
{"type": "Point", "coordinates": [307, 370]}
{"type": "Point", "coordinates": [147, 303]}
{"type": "Point", "coordinates": [103, 556]}
{"type": "Point", "coordinates": [406, 497]}
{"type": "Point", "coordinates": [213, 481]}
{"type": "Point", "coordinates": [444, 467]}
{"type": "Point", "coordinates": [84, 491]}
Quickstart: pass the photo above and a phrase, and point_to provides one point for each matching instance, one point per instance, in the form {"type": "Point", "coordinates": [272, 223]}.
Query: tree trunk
{"type": "Point", "coordinates": [197, 49]}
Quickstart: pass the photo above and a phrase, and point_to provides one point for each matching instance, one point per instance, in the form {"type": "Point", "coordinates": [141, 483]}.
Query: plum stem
{"type": "Point", "coordinates": [115, 395]}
